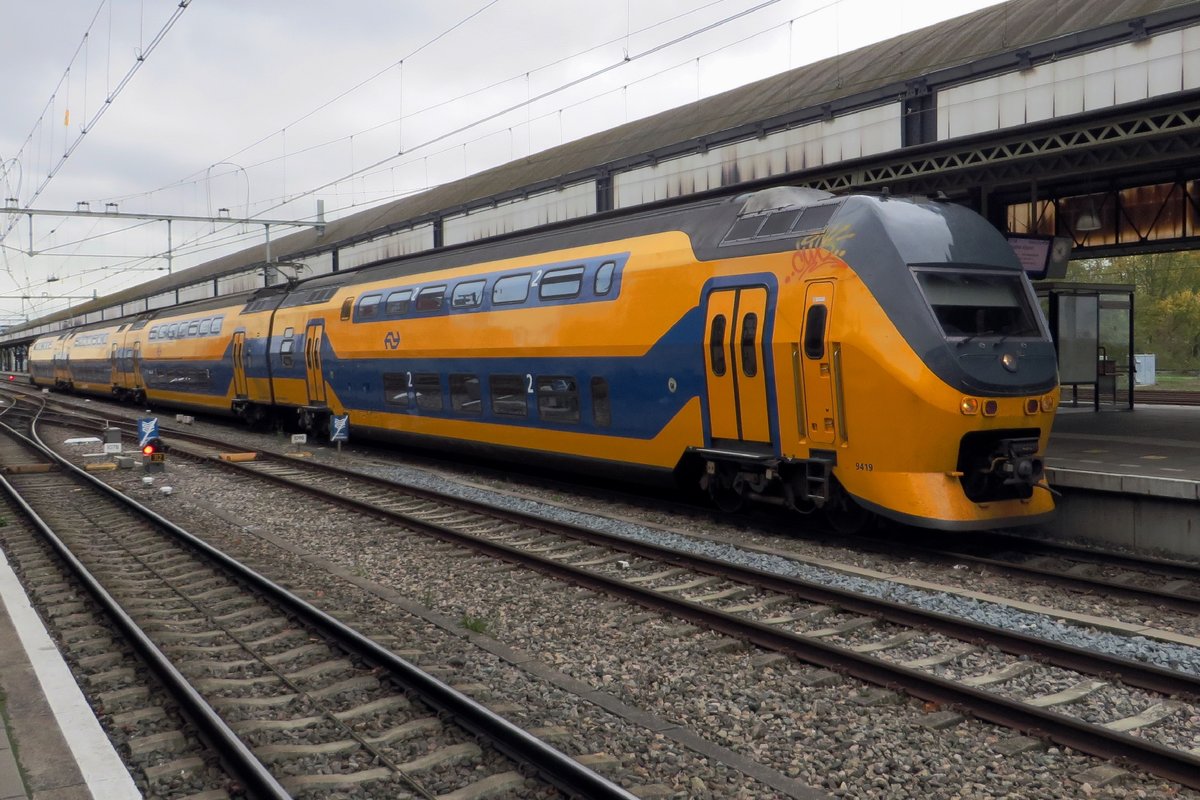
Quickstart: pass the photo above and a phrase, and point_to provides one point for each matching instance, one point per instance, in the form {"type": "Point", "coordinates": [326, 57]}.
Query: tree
{"type": "Point", "coordinates": [1166, 302]}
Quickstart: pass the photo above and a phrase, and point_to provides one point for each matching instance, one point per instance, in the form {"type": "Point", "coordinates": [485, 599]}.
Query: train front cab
{"type": "Point", "coordinates": [864, 399]}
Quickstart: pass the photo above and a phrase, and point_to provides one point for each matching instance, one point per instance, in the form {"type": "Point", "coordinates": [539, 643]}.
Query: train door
{"type": "Point", "coordinates": [136, 381]}
{"type": "Point", "coordinates": [239, 365]}
{"type": "Point", "coordinates": [817, 362]}
{"type": "Point", "coordinates": [312, 362]}
{"type": "Point", "coordinates": [734, 350]}
{"type": "Point", "coordinates": [115, 364]}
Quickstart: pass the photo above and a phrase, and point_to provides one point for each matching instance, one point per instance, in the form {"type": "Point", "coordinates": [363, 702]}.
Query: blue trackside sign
{"type": "Point", "coordinates": [339, 428]}
{"type": "Point", "coordinates": [147, 430]}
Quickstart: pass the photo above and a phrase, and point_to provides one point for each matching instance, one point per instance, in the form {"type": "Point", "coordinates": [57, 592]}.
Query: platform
{"type": "Point", "coordinates": [1128, 477]}
{"type": "Point", "coordinates": [51, 745]}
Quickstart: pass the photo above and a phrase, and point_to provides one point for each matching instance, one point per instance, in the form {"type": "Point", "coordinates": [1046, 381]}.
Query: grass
{"type": "Point", "coordinates": [1176, 382]}
{"type": "Point", "coordinates": [476, 624]}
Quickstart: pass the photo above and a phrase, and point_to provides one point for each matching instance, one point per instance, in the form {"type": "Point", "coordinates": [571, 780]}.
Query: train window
{"type": "Point", "coordinates": [779, 222]}
{"type": "Point", "coordinates": [368, 306]}
{"type": "Point", "coordinates": [153, 334]}
{"type": "Point", "coordinates": [464, 394]}
{"type": "Point", "coordinates": [428, 389]}
{"type": "Point", "coordinates": [395, 389]}
{"type": "Point", "coordinates": [816, 217]}
{"type": "Point", "coordinates": [601, 406]}
{"type": "Point", "coordinates": [559, 283]}
{"type": "Point", "coordinates": [745, 228]}
{"type": "Point", "coordinates": [289, 333]}
{"type": "Point", "coordinates": [509, 394]}
{"type": "Point", "coordinates": [285, 352]}
{"type": "Point", "coordinates": [172, 329]}
{"type": "Point", "coordinates": [814, 331]}
{"type": "Point", "coordinates": [398, 302]}
{"type": "Point", "coordinates": [347, 307]}
{"type": "Point", "coordinates": [216, 325]}
{"type": "Point", "coordinates": [430, 298]}
{"type": "Point", "coordinates": [193, 327]}
{"type": "Point", "coordinates": [980, 304]}
{"type": "Point", "coordinates": [511, 289]}
{"type": "Point", "coordinates": [557, 398]}
{"type": "Point", "coordinates": [604, 277]}
{"type": "Point", "coordinates": [716, 345]}
{"type": "Point", "coordinates": [749, 351]}
{"type": "Point", "coordinates": [467, 294]}
{"type": "Point", "coordinates": [205, 327]}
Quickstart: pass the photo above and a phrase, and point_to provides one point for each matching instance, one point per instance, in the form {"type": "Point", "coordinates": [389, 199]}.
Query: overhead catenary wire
{"type": "Point", "coordinates": [199, 175]}
{"type": "Point", "coordinates": [424, 147]}
{"type": "Point", "coordinates": [91, 122]}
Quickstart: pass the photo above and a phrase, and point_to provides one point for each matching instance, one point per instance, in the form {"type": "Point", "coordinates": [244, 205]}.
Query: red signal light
{"type": "Point", "coordinates": [150, 448]}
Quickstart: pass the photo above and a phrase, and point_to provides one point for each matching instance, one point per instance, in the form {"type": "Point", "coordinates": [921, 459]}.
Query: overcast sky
{"type": "Point", "coordinates": [262, 107]}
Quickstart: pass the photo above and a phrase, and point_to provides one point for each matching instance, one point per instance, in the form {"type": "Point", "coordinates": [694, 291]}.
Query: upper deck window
{"type": "Point", "coordinates": [467, 294]}
{"type": "Point", "coordinates": [511, 289]}
{"type": "Point", "coordinates": [368, 307]}
{"type": "Point", "coordinates": [561, 283]}
{"type": "Point", "coordinates": [398, 302]}
{"type": "Point", "coordinates": [430, 298]}
{"type": "Point", "coordinates": [604, 277]}
{"type": "Point", "coordinates": [968, 303]}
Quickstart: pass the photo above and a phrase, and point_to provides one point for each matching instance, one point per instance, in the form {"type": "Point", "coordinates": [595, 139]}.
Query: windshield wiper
{"type": "Point", "coordinates": [974, 336]}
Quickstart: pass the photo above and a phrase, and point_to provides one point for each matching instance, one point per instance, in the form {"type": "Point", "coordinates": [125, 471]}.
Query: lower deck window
{"type": "Point", "coordinates": [601, 406]}
{"type": "Point", "coordinates": [464, 394]}
{"type": "Point", "coordinates": [508, 396]}
{"type": "Point", "coordinates": [427, 386]}
{"type": "Point", "coordinates": [395, 390]}
{"type": "Point", "coordinates": [558, 398]}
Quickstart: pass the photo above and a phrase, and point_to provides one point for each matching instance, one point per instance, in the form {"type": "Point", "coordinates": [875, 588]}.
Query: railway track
{"type": "Point", "coordinates": [943, 660]}
{"type": "Point", "coordinates": [287, 696]}
{"type": "Point", "coordinates": [1159, 582]}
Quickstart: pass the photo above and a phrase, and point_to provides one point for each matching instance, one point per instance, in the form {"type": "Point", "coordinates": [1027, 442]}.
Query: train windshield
{"type": "Point", "coordinates": [969, 304]}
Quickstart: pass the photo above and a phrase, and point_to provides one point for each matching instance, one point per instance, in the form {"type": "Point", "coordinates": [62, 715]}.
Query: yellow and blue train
{"type": "Point", "coordinates": [849, 354]}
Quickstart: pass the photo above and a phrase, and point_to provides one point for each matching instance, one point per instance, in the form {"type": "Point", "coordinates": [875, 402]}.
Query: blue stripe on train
{"type": "Point", "coordinates": [640, 395]}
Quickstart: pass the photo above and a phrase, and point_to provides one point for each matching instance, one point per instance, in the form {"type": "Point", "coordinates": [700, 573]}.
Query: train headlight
{"type": "Point", "coordinates": [1048, 403]}
{"type": "Point", "coordinates": [990, 408]}
{"type": "Point", "coordinates": [968, 405]}
{"type": "Point", "coordinates": [1009, 361]}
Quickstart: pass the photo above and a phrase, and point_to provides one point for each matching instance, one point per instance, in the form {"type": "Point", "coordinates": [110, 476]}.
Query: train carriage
{"type": "Point", "coordinates": [44, 355]}
{"type": "Point", "coordinates": [84, 362]}
{"type": "Point", "coordinates": [184, 355]}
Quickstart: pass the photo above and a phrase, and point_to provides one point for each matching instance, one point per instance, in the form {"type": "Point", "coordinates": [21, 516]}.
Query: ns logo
{"type": "Point", "coordinates": [392, 340]}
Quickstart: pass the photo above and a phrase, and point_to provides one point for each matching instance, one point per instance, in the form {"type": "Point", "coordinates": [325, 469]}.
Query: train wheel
{"type": "Point", "coordinates": [844, 514]}
{"type": "Point", "coordinates": [723, 487]}
{"type": "Point", "coordinates": [727, 500]}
